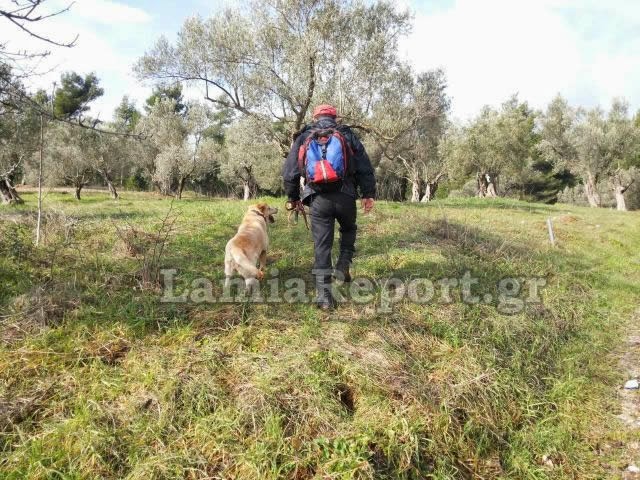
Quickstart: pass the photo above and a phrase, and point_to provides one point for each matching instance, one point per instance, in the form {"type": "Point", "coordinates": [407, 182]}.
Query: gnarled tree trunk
{"type": "Point", "coordinates": [79, 180]}
{"type": "Point", "coordinates": [165, 187]}
{"type": "Point", "coordinates": [8, 193]}
{"type": "Point", "coordinates": [246, 191]}
{"type": "Point", "coordinates": [107, 178]}
{"type": "Point", "coordinates": [415, 191]}
{"type": "Point", "coordinates": [112, 190]}
{"type": "Point", "coordinates": [619, 190]}
{"type": "Point", "coordinates": [181, 183]}
{"type": "Point", "coordinates": [249, 184]}
{"type": "Point", "coordinates": [412, 176]}
{"type": "Point", "coordinates": [481, 186]}
{"type": "Point", "coordinates": [621, 204]}
{"type": "Point", "coordinates": [415, 186]}
{"type": "Point", "coordinates": [492, 189]}
{"type": "Point", "coordinates": [431, 187]}
{"type": "Point", "coordinates": [591, 190]}
{"type": "Point", "coordinates": [486, 185]}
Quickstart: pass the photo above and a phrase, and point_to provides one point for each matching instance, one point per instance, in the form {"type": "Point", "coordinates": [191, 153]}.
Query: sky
{"type": "Point", "coordinates": [586, 50]}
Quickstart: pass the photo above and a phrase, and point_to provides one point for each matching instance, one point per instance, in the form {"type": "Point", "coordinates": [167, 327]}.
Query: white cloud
{"type": "Point", "coordinates": [494, 48]}
{"type": "Point", "coordinates": [111, 36]}
{"type": "Point", "coordinates": [110, 13]}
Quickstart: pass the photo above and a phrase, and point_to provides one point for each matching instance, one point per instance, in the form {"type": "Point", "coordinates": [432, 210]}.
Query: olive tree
{"type": "Point", "coordinates": [108, 156]}
{"type": "Point", "coordinates": [78, 156]}
{"type": "Point", "coordinates": [592, 145]}
{"type": "Point", "coordinates": [19, 133]}
{"type": "Point", "coordinates": [622, 141]}
{"type": "Point", "coordinates": [252, 159]}
{"type": "Point", "coordinates": [411, 117]}
{"type": "Point", "coordinates": [497, 142]}
{"type": "Point", "coordinates": [166, 132]}
{"type": "Point", "coordinates": [178, 146]}
{"type": "Point", "coordinates": [203, 149]}
{"type": "Point", "coordinates": [67, 158]}
{"type": "Point", "coordinates": [272, 60]}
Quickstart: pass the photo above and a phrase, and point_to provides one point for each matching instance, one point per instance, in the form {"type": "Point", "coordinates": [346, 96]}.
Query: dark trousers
{"type": "Point", "coordinates": [326, 208]}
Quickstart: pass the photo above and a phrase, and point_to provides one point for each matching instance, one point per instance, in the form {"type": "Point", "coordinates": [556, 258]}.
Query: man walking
{"type": "Point", "coordinates": [334, 164]}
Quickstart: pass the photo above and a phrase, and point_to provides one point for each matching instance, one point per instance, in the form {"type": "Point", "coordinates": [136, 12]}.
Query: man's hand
{"type": "Point", "coordinates": [294, 205]}
{"type": "Point", "coordinates": [367, 204]}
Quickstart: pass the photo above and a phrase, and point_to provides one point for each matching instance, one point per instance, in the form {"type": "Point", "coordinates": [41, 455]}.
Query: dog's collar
{"type": "Point", "coordinates": [264, 217]}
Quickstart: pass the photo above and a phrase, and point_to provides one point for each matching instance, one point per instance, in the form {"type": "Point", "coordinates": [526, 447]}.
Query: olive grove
{"type": "Point", "coordinates": [259, 69]}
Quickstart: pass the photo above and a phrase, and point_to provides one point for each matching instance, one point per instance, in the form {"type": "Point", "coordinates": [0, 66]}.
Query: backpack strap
{"type": "Point", "coordinates": [347, 151]}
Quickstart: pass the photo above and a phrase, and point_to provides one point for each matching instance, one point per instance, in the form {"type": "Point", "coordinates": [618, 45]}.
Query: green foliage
{"type": "Point", "coordinates": [137, 181]}
{"type": "Point", "coordinates": [495, 143]}
{"type": "Point", "coordinates": [588, 141]}
{"type": "Point", "coordinates": [42, 98]}
{"type": "Point", "coordinates": [178, 147]}
{"type": "Point", "coordinates": [251, 157]}
{"type": "Point", "coordinates": [540, 183]}
{"type": "Point", "coordinates": [412, 113]}
{"type": "Point", "coordinates": [591, 144]}
{"type": "Point", "coordinates": [167, 92]}
{"type": "Point", "coordinates": [126, 116]}
{"type": "Point", "coordinates": [221, 118]}
{"type": "Point", "coordinates": [75, 93]}
{"type": "Point", "coordinates": [19, 137]}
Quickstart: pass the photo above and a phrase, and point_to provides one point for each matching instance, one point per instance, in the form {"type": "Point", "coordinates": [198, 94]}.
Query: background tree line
{"type": "Point", "coordinates": [262, 73]}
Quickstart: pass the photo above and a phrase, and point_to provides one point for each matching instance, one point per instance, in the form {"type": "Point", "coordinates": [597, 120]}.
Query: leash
{"type": "Point", "coordinates": [296, 208]}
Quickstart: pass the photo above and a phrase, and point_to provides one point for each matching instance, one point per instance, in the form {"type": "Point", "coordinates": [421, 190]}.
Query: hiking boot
{"type": "Point", "coordinates": [326, 305]}
{"type": "Point", "coordinates": [342, 272]}
{"type": "Point", "coordinates": [324, 298]}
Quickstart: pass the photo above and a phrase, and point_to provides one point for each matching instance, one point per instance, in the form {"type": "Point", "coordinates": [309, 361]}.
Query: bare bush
{"type": "Point", "coordinates": [149, 247]}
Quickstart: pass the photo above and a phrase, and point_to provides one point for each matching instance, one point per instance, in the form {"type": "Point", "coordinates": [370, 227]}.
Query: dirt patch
{"type": "Point", "coordinates": [347, 397]}
{"type": "Point", "coordinates": [567, 218]}
{"type": "Point", "coordinates": [630, 399]}
{"type": "Point", "coordinates": [113, 353]}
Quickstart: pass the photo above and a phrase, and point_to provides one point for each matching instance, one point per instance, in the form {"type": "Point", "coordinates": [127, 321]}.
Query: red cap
{"type": "Point", "coordinates": [325, 111]}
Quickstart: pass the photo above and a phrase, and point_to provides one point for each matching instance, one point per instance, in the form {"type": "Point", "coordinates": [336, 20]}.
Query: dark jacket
{"type": "Point", "coordinates": [360, 173]}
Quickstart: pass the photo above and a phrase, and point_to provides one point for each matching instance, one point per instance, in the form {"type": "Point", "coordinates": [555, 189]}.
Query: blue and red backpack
{"type": "Point", "coordinates": [324, 156]}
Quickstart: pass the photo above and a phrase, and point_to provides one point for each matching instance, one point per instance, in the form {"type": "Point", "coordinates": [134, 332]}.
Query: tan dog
{"type": "Point", "coordinates": [249, 246]}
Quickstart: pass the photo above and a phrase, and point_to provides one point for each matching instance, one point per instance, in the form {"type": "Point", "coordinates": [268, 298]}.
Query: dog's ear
{"type": "Point", "coordinates": [263, 207]}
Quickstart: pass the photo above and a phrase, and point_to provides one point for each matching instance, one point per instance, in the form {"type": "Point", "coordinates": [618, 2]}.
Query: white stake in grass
{"type": "Point", "coordinates": [552, 237]}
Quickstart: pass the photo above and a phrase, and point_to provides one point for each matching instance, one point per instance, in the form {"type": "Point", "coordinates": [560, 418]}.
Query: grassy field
{"type": "Point", "coordinates": [100, 379]}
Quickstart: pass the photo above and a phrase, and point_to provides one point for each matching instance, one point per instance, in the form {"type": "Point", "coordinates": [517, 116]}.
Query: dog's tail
{"type": "Point", "coordinates": [243, 265]}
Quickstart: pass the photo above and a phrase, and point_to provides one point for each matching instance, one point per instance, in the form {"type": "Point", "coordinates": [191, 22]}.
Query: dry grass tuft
{"type": "Point", "coordinates": [15, 409]}
{"type": "Point", "coordinates": [133, 242]}
{"type": "Point", "coordinates": [114, 352]}
{"type": "Point", "coordinates": [42, 307]}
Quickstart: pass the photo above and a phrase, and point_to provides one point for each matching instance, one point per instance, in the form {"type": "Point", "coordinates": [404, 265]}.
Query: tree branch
{"type": "Point", "coordinates": [628, 185]}
{"type": "Point", "coordinates": [21, 100]}
{"type": "Point", "coordinates": [310, 90]}
{"type": "Point", "coordinates": [16, 18]}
